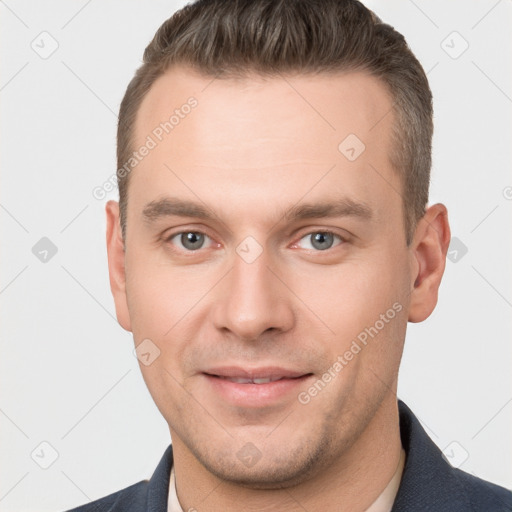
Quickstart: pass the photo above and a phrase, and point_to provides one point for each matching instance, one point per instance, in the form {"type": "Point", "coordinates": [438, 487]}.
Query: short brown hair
{"type": "Point", "coordinates": [227, 38]}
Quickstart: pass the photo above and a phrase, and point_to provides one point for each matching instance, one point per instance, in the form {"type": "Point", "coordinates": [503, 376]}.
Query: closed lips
{"type": "Point", "coordinates": [254, 388]}
{"type": "Point", "coordinates": [255, 380]}
{"type": "Point", "coordinates": [260, 376]}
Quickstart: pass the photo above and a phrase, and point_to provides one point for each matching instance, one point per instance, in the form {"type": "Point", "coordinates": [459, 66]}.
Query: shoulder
{"type": "Point", "coordinates": [429, 482]}
{"type": "Point", "coordinates": [484, 495]}
{"type": "Point", "coordinates": [129, 499]}
{"type": "Point", "coordinates": [145, 495]}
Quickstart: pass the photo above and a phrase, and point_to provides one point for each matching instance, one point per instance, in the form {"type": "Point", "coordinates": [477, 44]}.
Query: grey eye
{"type": "Point", "coordinates": [192, 240]}
{"type": "Point", "coordinates": [189, 240]}
{"type": "Point", "coordinates": [320, 240]}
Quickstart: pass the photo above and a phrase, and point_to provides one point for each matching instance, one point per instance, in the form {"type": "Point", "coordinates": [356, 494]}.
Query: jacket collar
{"type": "Point", "coordinates": [158, 487]}
{"type": "Point", "coordinates": [428, 480]}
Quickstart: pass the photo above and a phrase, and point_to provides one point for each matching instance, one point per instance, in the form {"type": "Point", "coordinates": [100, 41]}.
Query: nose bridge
{"type": "Point", "coordinates": [253, 300]}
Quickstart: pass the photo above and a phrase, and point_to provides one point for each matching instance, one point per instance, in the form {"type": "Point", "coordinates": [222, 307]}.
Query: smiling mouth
{"type": "Point", "coordinates": [255, 388]}
{"type": "Point", "coordinates": [255, 380]}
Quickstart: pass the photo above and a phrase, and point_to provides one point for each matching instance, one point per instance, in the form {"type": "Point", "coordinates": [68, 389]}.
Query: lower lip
{"type": "Point", "coordinates": [255, 395]}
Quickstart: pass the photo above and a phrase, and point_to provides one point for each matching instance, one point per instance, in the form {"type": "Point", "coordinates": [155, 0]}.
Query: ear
{"type": "Point", "coordinates": [116, 264]}
{"type": "Point", "coordinates": [428, 253]}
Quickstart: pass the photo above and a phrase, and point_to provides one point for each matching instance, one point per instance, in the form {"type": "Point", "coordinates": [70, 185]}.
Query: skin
{"type": "Point", "coordinates": [251, 149]}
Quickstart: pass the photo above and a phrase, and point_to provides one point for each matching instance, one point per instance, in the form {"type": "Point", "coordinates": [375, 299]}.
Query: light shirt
{"type": "Point", "coordinates": [384, 503]}
{"type": "Point", "coordinates": [173, 505]}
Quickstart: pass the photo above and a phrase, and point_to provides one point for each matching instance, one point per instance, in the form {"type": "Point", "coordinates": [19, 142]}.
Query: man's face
{"type": "Point", "coordinates": [265, 287]}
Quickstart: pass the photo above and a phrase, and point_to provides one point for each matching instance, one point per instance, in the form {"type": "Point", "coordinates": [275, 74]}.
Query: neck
{"type": "Point", "coordinates": [354, 482]}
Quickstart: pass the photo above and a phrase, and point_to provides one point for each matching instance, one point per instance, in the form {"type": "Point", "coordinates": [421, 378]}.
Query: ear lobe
{"type": "Point", "coordinates": [429, 249]}
{"type": "Point", "coordinates": [116, 264]}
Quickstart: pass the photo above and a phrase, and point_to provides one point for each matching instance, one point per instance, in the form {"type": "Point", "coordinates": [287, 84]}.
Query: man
{"type": "Point", "coordinates": [271, 242]}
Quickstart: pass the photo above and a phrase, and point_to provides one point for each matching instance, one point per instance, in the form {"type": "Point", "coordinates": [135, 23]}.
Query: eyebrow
{"type": "Point", "coordinates": [345, 207]}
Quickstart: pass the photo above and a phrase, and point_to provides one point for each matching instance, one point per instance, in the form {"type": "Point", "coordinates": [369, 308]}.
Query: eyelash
{"type": "Point", "coordinates": [309, 233]}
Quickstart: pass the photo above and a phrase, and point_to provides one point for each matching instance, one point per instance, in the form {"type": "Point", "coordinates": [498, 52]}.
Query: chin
{"type": "Point", "coordinates": [280, 469]}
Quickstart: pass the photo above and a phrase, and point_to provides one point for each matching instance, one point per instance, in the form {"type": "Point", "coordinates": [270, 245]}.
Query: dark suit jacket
{"type": "Point", "coordinates": [429, 483]}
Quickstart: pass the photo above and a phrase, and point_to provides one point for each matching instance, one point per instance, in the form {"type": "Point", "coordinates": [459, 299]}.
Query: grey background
{"type": "Point", "coordinates": [68, 376]}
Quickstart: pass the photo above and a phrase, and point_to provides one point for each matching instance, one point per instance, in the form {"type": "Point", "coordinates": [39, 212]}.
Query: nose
{"type": "Point", "coordinates": [253, 300]}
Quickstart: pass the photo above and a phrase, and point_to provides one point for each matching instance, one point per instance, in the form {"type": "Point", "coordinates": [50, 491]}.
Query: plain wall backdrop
{"type": "Point", "coordinates": [68, 376]}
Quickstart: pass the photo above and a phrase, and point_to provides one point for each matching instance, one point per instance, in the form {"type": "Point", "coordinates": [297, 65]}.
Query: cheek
{"type": "Point", "coordinates": [159, 296]}
{"type": "Point", "coordinates": [349, 297]}
{"type": "Point", "coordinates": [148, 303]}
{"type": "Point", "coordinates": [363, 306]}
{"type": "Point", "coordinates": [168, 306]}
{"type": "Point", "coordinates": [161, 303]}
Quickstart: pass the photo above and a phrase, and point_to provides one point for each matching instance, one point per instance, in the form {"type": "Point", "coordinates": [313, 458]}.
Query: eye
{"type": "Point", "coordinates": [189, 240]}
{"type": "Point", "coordinates": [320, 240]}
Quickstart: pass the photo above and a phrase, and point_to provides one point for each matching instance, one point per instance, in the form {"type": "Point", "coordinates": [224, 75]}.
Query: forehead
{"type": "Point", "coordinates": [289, 107]}
{"type": "Point", "coordinates": [250, 135]}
